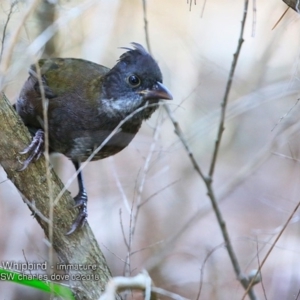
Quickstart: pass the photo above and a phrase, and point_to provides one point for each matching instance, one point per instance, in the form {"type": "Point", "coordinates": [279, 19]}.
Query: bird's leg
{"type": "Point", "coordinates": [80, 202]}
{"type": "Point", "coordinates": [35, 149]}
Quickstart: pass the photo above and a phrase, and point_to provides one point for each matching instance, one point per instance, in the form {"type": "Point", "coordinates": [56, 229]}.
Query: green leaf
{"type": "Point", "coordinates": [43, 285]}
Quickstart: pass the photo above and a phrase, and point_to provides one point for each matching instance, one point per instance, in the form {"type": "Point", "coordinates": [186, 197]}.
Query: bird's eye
{"type": "Point", "coordinates": [133, 80]}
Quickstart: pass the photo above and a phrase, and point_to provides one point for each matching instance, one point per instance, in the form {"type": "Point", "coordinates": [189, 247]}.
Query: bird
{"type": "Point", "coordinates": [89, 105]}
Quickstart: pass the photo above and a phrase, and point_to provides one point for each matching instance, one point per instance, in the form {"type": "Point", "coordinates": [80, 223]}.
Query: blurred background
{"type": "Point", "coordinates": [257, 177]}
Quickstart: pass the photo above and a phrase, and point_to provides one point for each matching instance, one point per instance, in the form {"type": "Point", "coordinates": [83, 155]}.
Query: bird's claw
{"type": "Point", "coordinates": [35, 149]}
{"type": "Point", "coordinates": [81, 203]}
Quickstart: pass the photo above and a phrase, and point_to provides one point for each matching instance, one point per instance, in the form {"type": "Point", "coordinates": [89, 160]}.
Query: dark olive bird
{"type": "Point", "coordinates": [86, 103]}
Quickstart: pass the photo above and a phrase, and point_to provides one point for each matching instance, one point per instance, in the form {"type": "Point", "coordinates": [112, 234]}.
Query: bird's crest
{"type": "Point", "coordinates": [136, 48]}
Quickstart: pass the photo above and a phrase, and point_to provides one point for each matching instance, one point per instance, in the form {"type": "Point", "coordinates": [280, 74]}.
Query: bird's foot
{"type": "Point", "coordinates": [35, 149]}
{"type": "Point", "coordinates": [81, 203]}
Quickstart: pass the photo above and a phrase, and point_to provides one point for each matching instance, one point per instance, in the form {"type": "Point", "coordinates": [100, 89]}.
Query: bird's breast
{"type": "Point", "coordinates": [99, 144]}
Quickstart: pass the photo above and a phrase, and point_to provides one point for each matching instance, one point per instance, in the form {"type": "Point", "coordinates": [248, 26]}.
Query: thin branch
{"type": "Point", "coordinates": [45, 103]}
{"type": "Point", "coordinates": [208, 180]}
{"type": "Point", "coordinates": [122, 228]}
{"type": "Point", "coordinates": [167, 293]}
{"type": "Point", "coordinates": [254, 18]}
{"type": "Point", "coordinates": [176, 125]}
{"type": "Point", "coordinates": [169, 243]}
{"type": "Point", "coordinates": [252, 282]}
{"type": "Point", "coordinates": [241, 277]}
{"type": "Point", "coordinates": [36, 211]}
{"type": "Point", "coordinates": [203, 265]}
{"type": "Point", "coordinates": [203, 8]}
{"type": "Point", "coordinates": [5, 63]}
{"type": "Point", "coordinates": [286, 114]}
{"type": "Point", "coordinates": [171, 116]}
{"type": "Point", "coordinates": [134, 215]}
{"type": "Point", "coordinates": [157, 192]}
{"type": "Point", "coordinates": [114, 254]}
{"type": "Point", "coordinates": [25, 258]}
{"type": "Point", "coordinates": [130, 239]}
{"type": "Point", "coordinates": [183, 140]}
{"type": "Point", "coordinates": [119, 185]}
{"type": "Point", "coordinates": [146, 25]}
{"type": "Point", "coordinates": [5, 27]}
{"type": "Point", "coordinates": [191, 1]}
{"type": "Point", "coordinates": [280, 18]}
{"type": "Point", "coordinates": [144, 175]}
{"type": "Point", "coordinates": [261, 278]}
{"type": "Point", "coordinates": [227, 91]}
{"type": "Point", "coordinates": [147, 247]}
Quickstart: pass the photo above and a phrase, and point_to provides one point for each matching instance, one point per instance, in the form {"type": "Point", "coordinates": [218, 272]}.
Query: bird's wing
{"type": "Point", "coordinates": [59, 76]}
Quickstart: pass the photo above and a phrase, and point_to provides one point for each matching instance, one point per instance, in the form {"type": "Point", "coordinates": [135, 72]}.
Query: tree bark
{"type": "Point", "coordinates": [78, 248]}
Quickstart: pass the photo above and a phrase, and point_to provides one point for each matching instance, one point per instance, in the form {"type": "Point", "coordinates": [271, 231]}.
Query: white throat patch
{"type": "Point", "coordinates": [121, 106]}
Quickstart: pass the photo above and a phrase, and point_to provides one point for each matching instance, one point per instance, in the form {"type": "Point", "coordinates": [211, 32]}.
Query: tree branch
{"type": "Point", "coordinates": [79, 248]}
{"type": "Point", "coordinates": [208, 180]}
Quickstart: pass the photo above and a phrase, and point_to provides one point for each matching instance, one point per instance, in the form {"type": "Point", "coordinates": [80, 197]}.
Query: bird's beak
{"type": "Point", "coordinates": [158, 91]}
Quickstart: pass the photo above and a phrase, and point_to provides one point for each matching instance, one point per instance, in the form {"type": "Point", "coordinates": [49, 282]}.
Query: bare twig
{"type": "Point", "coordinates": [167, 293]}
{"type": "Point", "coordinates": [114, 254]}
{"type": "Point", "coordinates": [261, 280]}
{"type": "Point", "coordinates": [146, 25]}
{"type": "Point", "coordinates": [286, 114]}
{"type": "Point", "coordinates": [159, 191]}
{"type": "Point", "coordinates": [178, 130]}
{"type": "Point", "coordinates": [280, 18]}
{"type": "Point", "coordinates": [208, 180]}
{"type": "Point", "coordinates": [36, 211]}
{"type": "Point", "coordinates": [254, 18]}
{"type": "Point", "coordinates": [119, 185]}
{"type": "Point", "coordinates": [33, 50]}
{"type": "Point", "coordinates": [260, 158]}
{"type": "Point", "coordinates": [180, 134]}
{"type": "Point", "coordinates": [227, 91]}
{"type": "Point", "coordinates": [203, 8]}
{"type": "Point", "coordinates": [25, 258]}
{"type": "Point", "coordinates": [50, 31]}
{"type": "Point", "coordinates": [169, 243]}
{"type": "Point", "coordinates": [135, 209]}
{"type": "Point", "coordinates": [148, 247]}
{"type": "Point", "coordinates": [9, 51]}
{"type": "Point", "coordinates": [45, 103]}
{"type": "Point", "coordinates": [122, 228]}
{"type": "Point", "coordinates": [45, 14]}
{"type": "Point", "coordinates": [271, 249]}
{"type": "Point", "coordinates": [144, 174]}
{"type": "Point", "coordinates": [203, 265]}
{"type": "Point", "coordinates": [286, 157]}
{"type": "Point", "coordinates": [13, 4]}
{"type": "Point", "coordinates": [129, 244]}
{"type": "Point", "coordinates": [191, 1]}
